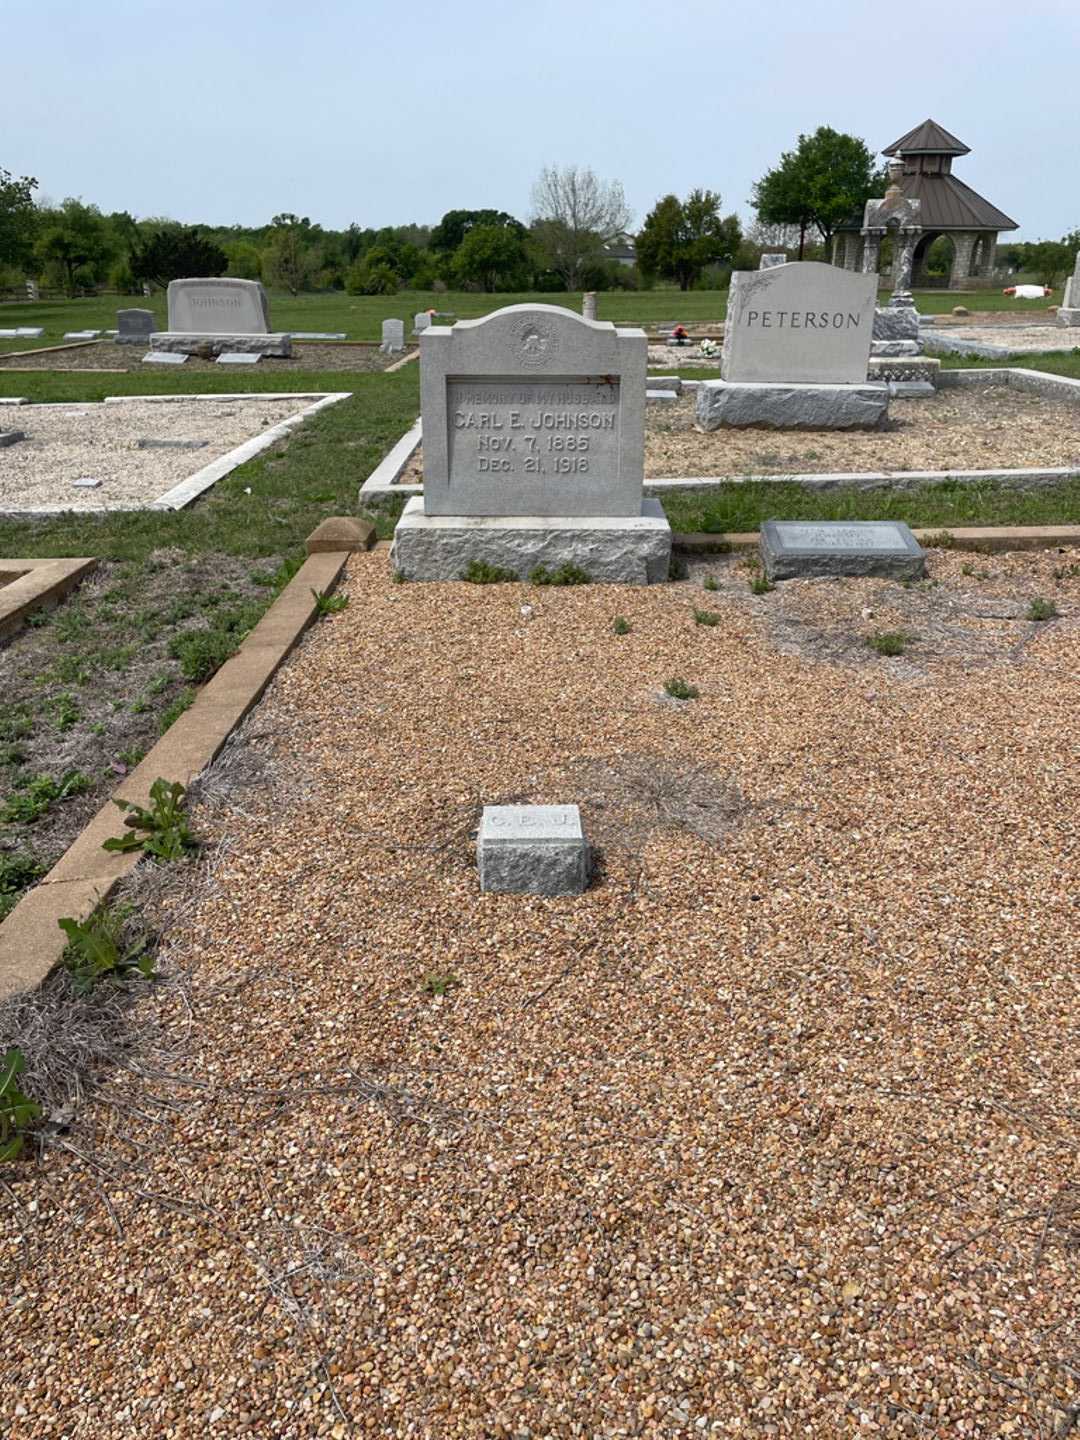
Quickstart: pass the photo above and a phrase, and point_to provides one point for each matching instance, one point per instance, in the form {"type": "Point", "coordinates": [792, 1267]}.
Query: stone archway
{"type": "Point", "coordinates": [933, 272]}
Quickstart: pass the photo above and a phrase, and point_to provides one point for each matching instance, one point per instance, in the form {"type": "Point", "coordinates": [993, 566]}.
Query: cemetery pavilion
{"type": "Point", "coordinates": [947, 207]}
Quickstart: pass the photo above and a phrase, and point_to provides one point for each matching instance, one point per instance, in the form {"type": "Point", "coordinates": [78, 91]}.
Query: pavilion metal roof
{"type": "Point", "coordinates": [929, 138]}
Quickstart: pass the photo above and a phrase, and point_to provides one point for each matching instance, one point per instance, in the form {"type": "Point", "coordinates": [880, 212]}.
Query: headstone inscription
{"type": "Point", "coordinates": [802, 322]}
{"type": "Point", "coordinates": [887, 548]}
{"type": "Point", "coordinates": [533, 425]}
{"type": "Point", "coordinates": [134, 327]}
{"type": "Point", "coordinates": [532, 850]}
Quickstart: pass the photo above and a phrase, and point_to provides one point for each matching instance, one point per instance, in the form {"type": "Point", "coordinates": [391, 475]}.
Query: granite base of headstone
{"type": "Point", "coordinates": [134, 327]}
{"type": "Point", "coordinates": [278, 347]}
{"type": "Point", "coordinates": [532, 850]}
{"type": "Point", "coordinates": [924, 368]}
{"type": "Point", "coordinates": [899, 320]}
{"type": "Point", "coordinates": [887, 549]}
{"type": "Point", "coordinates": [776, 406]}
{"type": "Point", "coordinates": [887, 349]}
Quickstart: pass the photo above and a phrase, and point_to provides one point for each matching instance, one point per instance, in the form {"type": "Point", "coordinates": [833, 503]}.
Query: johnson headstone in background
{"type": "Point", "coordinates": [219, 314]}
{"type": "Point", "coordinates": [533, 425]}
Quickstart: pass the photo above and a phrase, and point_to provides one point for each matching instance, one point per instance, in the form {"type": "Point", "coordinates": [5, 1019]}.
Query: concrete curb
{"type": "Point", "coordinates": [996, 539]}
{"type": "Point", "coordinates": [40, 583]}
{"type": "Point", "coordinates": [31, 943]}
{"type": "Point", "coordinates": [380, 485]}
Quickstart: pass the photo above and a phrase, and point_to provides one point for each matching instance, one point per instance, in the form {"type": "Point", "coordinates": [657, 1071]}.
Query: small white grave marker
{"type": "Point", "coordinates": [164, 357]}
{"type": "Point", "coordinates": [237, 357]}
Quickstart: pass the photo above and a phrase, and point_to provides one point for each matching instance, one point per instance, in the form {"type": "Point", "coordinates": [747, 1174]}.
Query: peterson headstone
{"type": "Point", "coordinates": [802, 322]}
{"type": "Point", "coordinates": [532, 850]}
{"type": "Point", "coordinates": [533, 424]}
{"type": "Point", "coordinates": [886, 548]}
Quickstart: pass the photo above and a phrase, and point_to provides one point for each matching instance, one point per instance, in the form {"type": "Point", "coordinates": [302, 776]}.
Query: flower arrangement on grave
{"type": "Point", "coordinates": [680, 336]}
{"type": "Point", "coordinates": [710, 347]}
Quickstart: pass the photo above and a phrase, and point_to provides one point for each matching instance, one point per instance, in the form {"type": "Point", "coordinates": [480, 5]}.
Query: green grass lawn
{"type": "Point", "coordinates": [361, 316]}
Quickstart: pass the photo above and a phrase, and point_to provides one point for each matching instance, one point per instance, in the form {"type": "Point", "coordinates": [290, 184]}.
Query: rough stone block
{"type": "Point", "coordinates": [190, 343]}
{"type": "Point", "coordinates": [886, 548]}
{"type": "Point", "coordinates": [791, 407]}
{"type": "Point", "coordinates": [883, 349]}
{"type": "Point", "coordinates": [906, 367]}
{"type": "Point", "coordinates": [532, 850]}
{"type": "Point", "coordinates": [896, 323]}
{"type": "Point", "coordinates": [340, 532]}
{"type": "Point", "coordinates": [621, 550]}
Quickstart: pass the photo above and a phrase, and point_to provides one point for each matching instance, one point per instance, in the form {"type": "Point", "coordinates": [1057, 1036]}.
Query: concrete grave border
{"type": "Point", "coordinates": [190, 489]}
{"type": "Point", "coordinates": [380, 485]}
{"type": "Point", "coordinates": [31, 942]}
{"type": "Point", "coordinates": [40, 584]}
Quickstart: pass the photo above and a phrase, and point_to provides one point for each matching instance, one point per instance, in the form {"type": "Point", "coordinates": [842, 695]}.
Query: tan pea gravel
{"type": "Point", "coordinates": [68, 442]}
{"type": "Point", "coordinates": [773, 1132]}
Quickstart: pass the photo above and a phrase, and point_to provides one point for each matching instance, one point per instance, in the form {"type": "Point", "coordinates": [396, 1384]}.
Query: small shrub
{"type": "Point", "coordinates": [677, 567]}
{"type": "Point", "coordinates": [479, 572]}
{"type": "Point", "coordinates": [440, 984]}
{"type": "Point", "coordinates": [760, 586]}
{"type": "Point", "coordinates": [967, 569]}
{"type": "Point", "coordinates": [680, 690]}
{"type": "Point", "coordinates": [889, 642]}
{"type": "Point", "coordinates": [17, 1110]}
{"type": "Point", "coordinates": [17, 873]}
{"type": "Point", "coordinates": [173, 712]}
{"type": "Point", "coordinates": [96, 950]}
{"type": "Point", "coordinates": [329, 604]}
{"type": "Point", "coordinates": [568, 574]}
{"type": "Point", "coordinates": [398, 577]}
{"type": "Point", "coordinates": [706, 617]}
{"type": "Point", "coordinates": [202, 652]}
{"type": "Point", "coordinates": [940, 540]}
{"type": "Point", "coordinates": [621, 625]}
{"type": "Point", "coordinates": [161, 831]}
{"type": "Point", "coordinates": [1067, 572]}
{"type": "Point", "coordinates": [710, 583]}
{"type": "Point", "coordinates": [1041, 609]}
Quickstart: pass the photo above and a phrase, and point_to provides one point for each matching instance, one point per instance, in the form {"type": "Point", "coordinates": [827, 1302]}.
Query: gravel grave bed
{"type": "Point", "coordinates": [772, 1132]}
{"type": "Point", "coordinates": [68, 442]}
{"type": "Point", "coordinates": [104, 355]}
{"type": "Point", "coordinates": [1020, 339]}
{"type": "Point", "coordinates": [995, 428]}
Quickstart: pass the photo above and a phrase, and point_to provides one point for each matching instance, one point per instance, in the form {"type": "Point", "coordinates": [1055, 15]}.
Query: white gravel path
{"type": "Point", "coordinates": [67, 442]}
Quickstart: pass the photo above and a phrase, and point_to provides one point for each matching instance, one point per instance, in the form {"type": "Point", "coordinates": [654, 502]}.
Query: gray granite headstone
{"type": "Point", "coordinates": [532, 850]}
{"type": "Point", "coordinates": [887, 548]}
{"type": "Point", "coordinates": [802, 322]}
{"type": "Point", "coordinates": [421, 321]}
{"type": "Point", "coordinates": [393, 336]}
{"type": "Point", "coordinates": [134, 327]}
{"type": "Point", "coordinates": [218, 306]}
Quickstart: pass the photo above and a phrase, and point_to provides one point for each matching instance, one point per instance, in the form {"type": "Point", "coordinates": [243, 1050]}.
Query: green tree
{"type": "Point", "coordinates": [76, 238]}
{"type": "Point", "coordinates": [681, 237]}
{"type": "Point", "coordinates": [18, 218]}
{"type": "Point", "coordinates": [824, 181]}
{"type": "Point", "coordinates": [575, 214]}
{"type": "Point", "coordinates": [289, 259]}
{"type": "Point", "coordinates": [488, 255]}
{"type": "Point", "coordinates": [176, 252]}
{"type": "Point", "coordinates": [451, 230]}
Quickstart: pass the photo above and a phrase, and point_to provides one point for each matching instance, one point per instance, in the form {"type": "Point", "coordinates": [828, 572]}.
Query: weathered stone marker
{"type": "Point", "coordinates": [393, 336]}
{"type": "Point", "coordinates": [533, 424]}
{"type": "Point", "coordinates": [134, 327]}
{"type": "Point", "coordinates": [532, 850]}
{"type": "Point", "coordinates": [887, 548]}
{"type": "Point", "coordinates": [770, 261]}
{"type": "Point", "coordinates": [219, 314]}
{"type": "Point", "coordinates": [796, 350]}
{"type": "Point", "coordinates": [1069, 309]}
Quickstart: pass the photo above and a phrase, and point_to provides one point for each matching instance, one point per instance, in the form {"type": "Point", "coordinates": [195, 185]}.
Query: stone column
{"type": "Point", "coordinates": [588, 305]}
{"type": "Point", "coordinates": [963, 248]}
{"type": "Point", "coordinates": [871, 250]}
{"type": "Point", "coordinates": [986, 258]}
{"type": "Point", "coordinates": [906, 240]}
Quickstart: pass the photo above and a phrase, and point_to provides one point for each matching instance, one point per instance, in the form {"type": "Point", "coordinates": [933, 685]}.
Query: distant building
{"type": "Point", "coordinates": [621, 250]}
{"type": "Point", "coordinates": [946, 207]}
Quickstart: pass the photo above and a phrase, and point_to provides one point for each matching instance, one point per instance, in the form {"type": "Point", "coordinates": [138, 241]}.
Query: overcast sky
{"type": "Point", "coordinates": [384, 113]}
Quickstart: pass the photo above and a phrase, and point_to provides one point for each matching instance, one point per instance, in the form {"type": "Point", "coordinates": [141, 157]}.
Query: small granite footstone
{"type": "Point", "coordinates": [664, 382]}
{"type": "Point", "coordinates": [151, 444]}
{"type": "Point", "coordinates": [317, 334]}
{"type": "Point", "coordinates": [87, 482]}
{"type": "Point", "coordinates": [654, 397]}
{"type": "Point", "coordinates": [532, 850]}
{"type": "Point", "coordinates": [911, 390]}
{"type": "Point", "coordinates": [237, 357]}
{"type": "Point", "coordinates": [885, 548]}
{"type": "Point", "coordinates": [11, 437]}
{"type": "Point", "coordinates": [8, 334]}
{"type": "Point", "coordinates": [82, 334]}
{"type": "Point", "coordinates": [164, 357]}
{"type": "Point", "coordinates": [790, 407]}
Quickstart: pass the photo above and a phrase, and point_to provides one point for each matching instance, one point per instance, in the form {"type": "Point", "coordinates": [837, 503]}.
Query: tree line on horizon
{"type": "Point", "coordinates": [572, 241]}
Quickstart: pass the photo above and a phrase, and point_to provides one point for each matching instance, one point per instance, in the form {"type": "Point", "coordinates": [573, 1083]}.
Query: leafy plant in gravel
{"type": "Point", "coordinates": [940, 540]}
{"type": "Point", "coordinates": [203, 651]}
{"type": "Point", "coordinates": [710, 583]}
{"type": "Point", "coordinates": [67, 711]}
{"type": "Point", "coordinates": [17, 873]}
{"type": "Point", "coordinates": [760, 586]}
{"type": "Point", "coordinates": [97, 949]}
{"type": "Point", "coordinates": [17, 1110]}
{"type": "Point", "coordinates": [680, 690]}
{"type": "Point", "coordinates": [32, 799]}
{"type": "Point", "coordinates": [1041, 609]}
{"type": "Point", "coordinates": [706, 617]}
{"type": "Point", "coordinates": [889, 642]}
{"type": "Point", "coordinates": [567, 574]}
{"type": "Point", "coordinates": [161, 831]}
{"type": "Point", "coordinates": [479, 572]}
{"type": "Point", "coordinates": [440, 984]}
{"type": "Point", "coordinates": [621, 625]}
{"type": "Point", "coordinates": [329, 604]}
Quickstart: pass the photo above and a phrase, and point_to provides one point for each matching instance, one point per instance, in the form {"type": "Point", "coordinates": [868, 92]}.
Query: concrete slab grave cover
{"type": "Point", "coordinates": [802, 322]}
